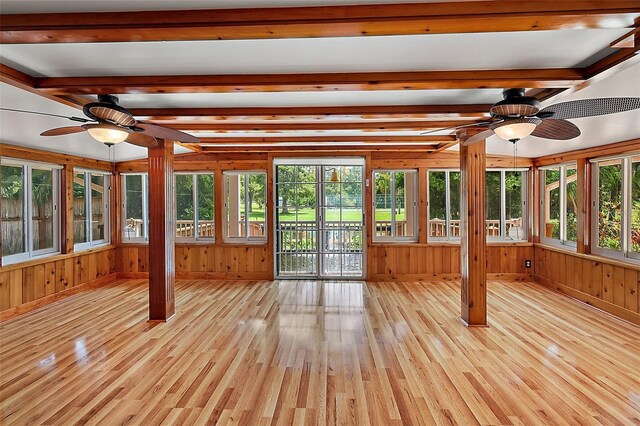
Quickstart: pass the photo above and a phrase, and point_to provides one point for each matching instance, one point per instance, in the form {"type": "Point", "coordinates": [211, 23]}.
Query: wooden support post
{"type": "Point", "coordinates": [584, 206]}
{"type": "Point", "coordinates": [473, 247]}
{"type": "Point", "coordinates": [161, 232]}
{"type": "Point", "coordinates": [66, 209]}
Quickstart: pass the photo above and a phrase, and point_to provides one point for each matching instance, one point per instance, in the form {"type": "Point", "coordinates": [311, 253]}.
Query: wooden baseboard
{"type": "Point", "coordinates": [56, 297]}
{"type": "Point", "coordinates": [445, 277]}
{"type": "Point", "coordinates": [590, 300]}
{"type": "Point", "coordinates": [252, 276]}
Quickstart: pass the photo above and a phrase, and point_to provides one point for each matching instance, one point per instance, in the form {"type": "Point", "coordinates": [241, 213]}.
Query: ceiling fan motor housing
{"type": "Point", "coordinates": [108, 110]}
{"type": "Point", "coordinates": [515, 105]}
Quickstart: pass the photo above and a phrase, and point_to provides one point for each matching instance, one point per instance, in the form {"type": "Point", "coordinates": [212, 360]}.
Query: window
{"type": "Point", "coordinates": [90, 208]}
{"type": "Point", "coordinates": [245, 217]}
{"type": "Point", "coordinates": [395, 207]}
{"type": "Point", "coordinates": [29, 210]}
{"type": "Point", "coordinates": [616, 207]}
{"type": "Point", "coordinates": [493, 206]}
{"type": "Point", "coordinates": [135, 208]}
{"type": "Point", "coordinates": [444, 204]}
{"type": "Point", "coordinates": [194, 206]}
{"type": "Point", "coordinates": [558, 210]}
{"type": "Point", "coordinates": [505, 204]}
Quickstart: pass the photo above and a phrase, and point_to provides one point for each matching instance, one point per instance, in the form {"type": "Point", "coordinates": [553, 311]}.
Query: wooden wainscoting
{"type": "Point", "coordinates": [609, 285]}
{"type": "Point", "coordinates": [30, 285]}
{"type": "Point", "coordinates": [429, 262]}
{"type": "Point", "coordinates": [200, 261]}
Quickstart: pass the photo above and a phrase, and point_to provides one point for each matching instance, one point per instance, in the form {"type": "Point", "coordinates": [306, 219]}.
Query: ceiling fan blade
{"type": "Point", "coordinates": [590, 107]}
{"type": "Point", "coordinates": [140, 139]}
{"type": "Point", "coordinates": [480, 123]}
{"type": "Point", "coordinates": [162, 132]}
{"type": "Point", "coordinates": [62, 131]}
{"type": "Point", "coordinates": [556, 129]}
{"type": "Point", "coordinates": [72, 118]}
{"type": "Point", "coordinates": [478, 137]}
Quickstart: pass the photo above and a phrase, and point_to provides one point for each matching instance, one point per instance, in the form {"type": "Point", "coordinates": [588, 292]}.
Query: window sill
{"type": "Point", "coordinates": [452, 243]}
{"type": "Point", "coordinates": [83, 249]}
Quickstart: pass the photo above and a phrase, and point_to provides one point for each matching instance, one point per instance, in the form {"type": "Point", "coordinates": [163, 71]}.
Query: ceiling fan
{"type": "Point", "coordinates": [518, 116]}
{"type": "Point", "coordinates": [110, 123]}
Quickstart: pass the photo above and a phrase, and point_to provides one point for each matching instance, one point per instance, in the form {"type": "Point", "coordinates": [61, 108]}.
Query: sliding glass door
{"type": "Point", "coordinates": [319, 219]}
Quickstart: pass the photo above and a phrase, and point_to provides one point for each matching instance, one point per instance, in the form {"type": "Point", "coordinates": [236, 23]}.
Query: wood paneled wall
{"type": "Point", "coordinates": [606, 284]}
{"type": "Point", "coordinates": [422, 262]}
{"type": "Point", "coordinates": [37, 282]}
{"type": "Point", "coordinates": [29, 285]}
{"type": "Point", "coordinates": [199, 261]}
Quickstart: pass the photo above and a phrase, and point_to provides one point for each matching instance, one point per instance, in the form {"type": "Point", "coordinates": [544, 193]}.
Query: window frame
{"type": "Point", "coordinates": [625, 253]}
{"type": "Point", "coordinates": [27, 201]}
{"type": "Point", "coordinates": [524, 191]}
{"type": "Point", "coordinates": [145, 209]}
{"type": "Point", "coordinates": [196, 220]}
{"type": "Point", "coordinates": [524, 207]}
{"type": "Point", "coordinates": [247, 239]}
{"type": "Point", "coordinates": [562, 241]}
{"type": "Point", "coordinates": [447, 213]}
{"type": "Point", "coordinates": [393, 238]}
{"type": "Point", "coordinates": [91, 243]}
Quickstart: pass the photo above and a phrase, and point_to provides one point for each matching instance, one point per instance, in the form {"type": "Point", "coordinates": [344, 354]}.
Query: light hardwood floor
{"type": "Point", "coordinates": [309, 352]}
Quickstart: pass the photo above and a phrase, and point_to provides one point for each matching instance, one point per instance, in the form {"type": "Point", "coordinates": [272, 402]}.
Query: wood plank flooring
{"type": "Point", "coordinates": [308, 352]}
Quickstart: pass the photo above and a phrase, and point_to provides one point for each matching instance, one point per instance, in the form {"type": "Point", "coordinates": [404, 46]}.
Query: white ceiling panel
{"type": "Point", "coordinates": [538, 49]}
{"type": "Point", "coordinates": [295, 99]}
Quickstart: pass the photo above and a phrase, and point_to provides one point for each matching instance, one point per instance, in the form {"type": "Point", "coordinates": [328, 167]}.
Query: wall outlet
{"type": "Point", "coordinates": [527, 263]}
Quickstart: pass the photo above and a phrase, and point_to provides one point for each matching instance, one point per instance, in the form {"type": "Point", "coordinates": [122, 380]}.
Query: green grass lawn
{"type": "Point", "coordinates": [333, 214]}
{"type": "Point", "coordinates": [308, 214]}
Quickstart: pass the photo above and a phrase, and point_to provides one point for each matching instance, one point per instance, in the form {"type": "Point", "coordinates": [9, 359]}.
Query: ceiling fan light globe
{"type": "Point", "coordinates": [516, 129]}
{"type": "Point", "coordinates": [107, 134]}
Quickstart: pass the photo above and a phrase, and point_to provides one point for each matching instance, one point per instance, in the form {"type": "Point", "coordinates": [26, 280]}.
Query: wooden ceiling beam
{"type": "Point", "coordinates": [337, 125]}
{"type": "Point", "coordinates": [313, 82]}
{"type": "Point", "coordinates": [434, 139]}
{"type": "Point", "coordinates": [310, 113]}
{"type": "Point", "coordinates": [319, 21]}
{"type": "Point", "coordinates": [321, 148]}
{"type": "Point", "coordinates": [21, 80]}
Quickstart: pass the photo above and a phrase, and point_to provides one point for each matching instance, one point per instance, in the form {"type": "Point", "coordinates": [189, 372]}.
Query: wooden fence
{"type": "Point", "coordinates": [13, 222]}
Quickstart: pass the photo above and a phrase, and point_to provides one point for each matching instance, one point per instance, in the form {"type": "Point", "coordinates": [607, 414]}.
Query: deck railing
{"type": "Point", "coordinates": [186, 229]}
{"type": "Point", "coordinates": [438, 227]}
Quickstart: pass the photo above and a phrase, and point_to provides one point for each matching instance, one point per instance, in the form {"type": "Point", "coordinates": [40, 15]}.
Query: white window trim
{"type": "Point", "coordinates": [196, 220]}
{"type": "Point", "coordinates": [562, 242]}
{"type": "Point", "coordinates": [107, 200]}
{"type": "Point", "coordinates": [29, 253]}
{"type": "Point", "coordinates": [625, 253]}
{"type": "Point", "coordinates": [393, 238]}
{"type": "Point", "coordinates": [247, 239]}
{"type": "Point", "coordinates": [145, 209]}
